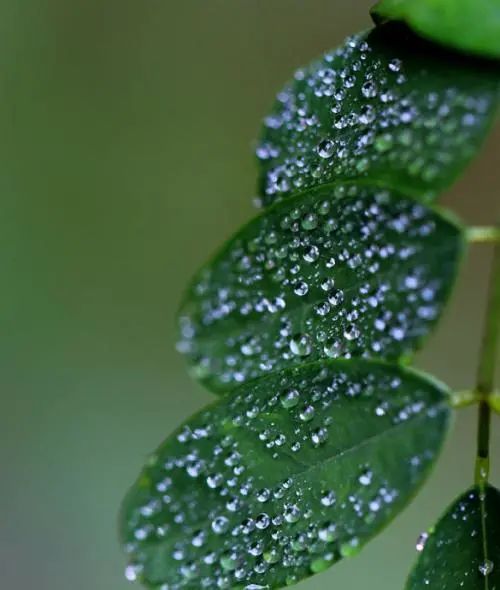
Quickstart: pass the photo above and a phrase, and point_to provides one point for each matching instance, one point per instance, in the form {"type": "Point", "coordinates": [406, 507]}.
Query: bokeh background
{"type": "Point", "coordinates": [126, 130]}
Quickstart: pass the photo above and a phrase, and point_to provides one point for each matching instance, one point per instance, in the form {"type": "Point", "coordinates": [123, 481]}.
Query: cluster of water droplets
{"type": "Point", "coordinates": [372, 109]}
{"type": "Point", "coordinates": [276, 482]}
{"type": "Point", "coordinates": [344, 272]}
{"type": "Point", "coordinates": [290, 473]}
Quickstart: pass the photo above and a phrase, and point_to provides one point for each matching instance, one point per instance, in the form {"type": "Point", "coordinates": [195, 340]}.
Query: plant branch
{"type": "Point", "coordinates": [494, 400]}
{"type": "Point", "coordinates": [483, 235]}
{"type": "Point", "coordinates": [464, 399]}
{"type": "Point", "coordinates": [486, 370]}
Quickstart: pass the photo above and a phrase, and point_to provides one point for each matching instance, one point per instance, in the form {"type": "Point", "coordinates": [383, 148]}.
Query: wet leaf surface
{"type": "Point", "coordinates": [341, 272]}
{"type": "Point", "coordinates": [283, 478]}
{"type": "Point", "coordinates": [463, 551]}
{"type": "Point", "coordinates": [387, 107]}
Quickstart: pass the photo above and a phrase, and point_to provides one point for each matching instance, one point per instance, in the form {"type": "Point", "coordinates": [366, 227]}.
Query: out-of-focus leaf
{"type": "Point", "coordinates": [387, 107]}
{"type": "Point", "coordinates": [494, 402]}
{"type": "Point", "coordinates": [463, 551]}
{"type": "Point", "coordinates": [283, 478]}
{"type": "Point", "coordinates": [472, 26]}
{"type": "Point", "coordinates": [347, 271]}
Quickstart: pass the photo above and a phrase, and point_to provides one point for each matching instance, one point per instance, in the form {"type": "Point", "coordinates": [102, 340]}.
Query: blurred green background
{"type": "Point", "coordinates": [126, 132]}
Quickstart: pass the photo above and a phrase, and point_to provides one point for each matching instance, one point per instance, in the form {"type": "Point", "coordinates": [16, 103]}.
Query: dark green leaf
{"type": "Point", "coordinates": [346, 271]}
{"type": "Point", "coordinates": [463, 551]}
{"type": "Point", "coordinates": [283, 478]}
{"type": "Point", "coordinates": [472, 26]}
{"type": "Point", "coordinates": [387, 107]}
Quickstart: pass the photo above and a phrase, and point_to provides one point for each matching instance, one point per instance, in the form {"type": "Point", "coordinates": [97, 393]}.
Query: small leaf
{"type": "Point", "coordinates": [472, 26]}
{"type": "Point", "coordinates": [463, 551]}
{"type": "Point", "coordinates": [386, 106]}
{"type": "Point", "coordinates": [283, 478]}
{"type": "Point", "coordinates": [494, 401]}
{"type": "Point", "coordinates": [347, 271]}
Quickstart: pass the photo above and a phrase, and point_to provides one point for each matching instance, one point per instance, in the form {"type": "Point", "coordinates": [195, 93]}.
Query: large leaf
{"type": "Point", "coordinates": [387, 107]}
{"type": "Point", "coordinates": [341, 272]}
{"type": "Point", "coordinates": [468, 25]}
{"type": "Point", "coordinates": [283, 478]}
{"type": "Point", "coordinates": [463, 551]}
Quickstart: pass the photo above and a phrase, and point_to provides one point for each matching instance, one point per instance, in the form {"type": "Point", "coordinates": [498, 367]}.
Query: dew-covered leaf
{"type": "Point", "coordinates": [346, 271]}
{"type": "Point", "coordinates": [386, 106]}
{"type": "Point", "coordinates": [472, 26]}
{"type": "Point", "coordinates": [283, 478]}
{"type": "Point", "coordinates": [463, 550]}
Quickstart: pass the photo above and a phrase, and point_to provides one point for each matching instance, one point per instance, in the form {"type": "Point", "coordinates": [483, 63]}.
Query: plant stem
{"type": "Point", "coordinates": [494, 400]}
{"type": "Point", "coordinates": [483, 234]}
{"type": "Point", "coordinates": [463, 399]}
{"type": "Point", "coordinates": [486, 371]}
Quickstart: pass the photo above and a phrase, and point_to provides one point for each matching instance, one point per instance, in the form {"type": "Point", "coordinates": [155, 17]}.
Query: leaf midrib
{"type": "Point", "coordinates": [296, 304]}
{"type": "Point", "coordinates": [441, 406]}
{"type": "Point", "coordinates": [483, 495]}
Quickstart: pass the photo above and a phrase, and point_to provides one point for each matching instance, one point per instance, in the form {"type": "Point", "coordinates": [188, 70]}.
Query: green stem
{"type": "Point", "coordinates": [482, 471]}
{"type": "Point", "coordinates": [464, 399]}
{"type": "Point", "coordinates": [494, 401]}
{"type": "Point", "coordinates": [486, 370]}
{"type": "Point", "coordinates": [483, 235]}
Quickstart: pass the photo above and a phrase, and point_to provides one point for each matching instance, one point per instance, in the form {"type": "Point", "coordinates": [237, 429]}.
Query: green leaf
{"type": "Point", "coordinates": [494, 401]}
{"type": "Point", "coordinates": [283, 478]}
{"type": "Point", "coordinates": [463, 551]}
{"type": "Point", "coordinates": [346, 271]}
{"type": "Point", "coordinates": [387, 107]}
{"type": "Point", "coordinates": [472, 26]}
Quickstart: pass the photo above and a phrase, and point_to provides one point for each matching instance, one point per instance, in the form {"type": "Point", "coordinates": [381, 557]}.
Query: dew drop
{"type": "Point", "coordinates": [486, 567]}
{"type": "Point", "coordinates": [326, 149]}
{"type": "Point", "coordinates": [263, 495]}
{"type": "Point", "coordinates": [421, 541]}
{"type": "Point", "coordinates": [292, 513]}
{"type": "Point", "coordinates": [351, 332]}
{"type": "Point", "coordinates": [290, 398]}
{"type": "Point", "coordinates": [301, 288]}
{"type": "Point", "coordinates": [395, 65]}
{"type": "Point", "coordinates": [328, 498]}
{"type": "Point", "coordinates": [300, 345]}
{"type": "Point", "coordinates": [319, 436]}
{"type": "Point", "coordinates": [365, 479]}
{"type": "Point", "coordinates": [310, 222]}
{"type": "Point", "coordinates": [307, 413]}
{"type": "Point", "coordinates": [220, 525]}
{"type": "Point", "coordinates": [262, 521]}
{"type": "Point", "coordinates": [132, 571]}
